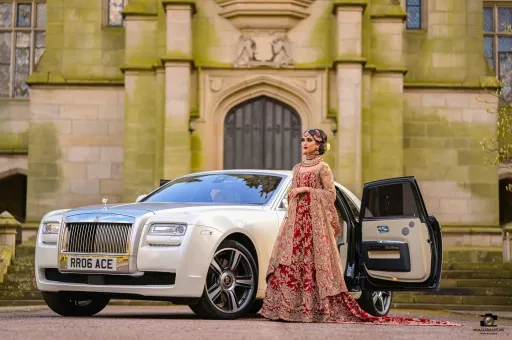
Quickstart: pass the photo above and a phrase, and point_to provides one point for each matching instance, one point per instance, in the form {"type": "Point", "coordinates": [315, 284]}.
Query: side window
{"type": "Point", "coordinates": [392, 200]}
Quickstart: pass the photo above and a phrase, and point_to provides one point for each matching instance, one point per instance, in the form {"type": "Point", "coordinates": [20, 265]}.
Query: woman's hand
{"type": "Point", "coordinates": [297, 191]}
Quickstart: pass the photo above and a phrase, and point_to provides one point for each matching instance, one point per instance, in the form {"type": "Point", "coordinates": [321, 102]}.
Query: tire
{"type": "Point", "coordinates": [380, 307]}
{"type": "Point", "coordinates": [66, 304]}
{"type": "Point", "coordinates": [221, 283]}
{"type": "Point", "coordinates": [256, 307]}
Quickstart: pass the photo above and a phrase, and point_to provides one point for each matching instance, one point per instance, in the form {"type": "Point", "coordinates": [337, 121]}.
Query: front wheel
{"type": "Point", "coordinates": [376, 303]}
{"type": "Point", "coordinates": [256, 307]}
{"type": "Point", "coordinates": [66, 304]}
{"type": "Point", "coordinates": [231, 283]}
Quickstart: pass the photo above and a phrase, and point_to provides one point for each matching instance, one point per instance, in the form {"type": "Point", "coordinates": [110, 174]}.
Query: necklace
{"type": "Point", "coordinates": [312, 160]}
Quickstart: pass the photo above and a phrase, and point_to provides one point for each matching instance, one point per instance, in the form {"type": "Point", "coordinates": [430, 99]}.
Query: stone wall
{"type": "Point", "coordinates": [78, 45]}
{"type": "Point", "coordinates": [76, 147]}
{"type": "Point", "coordinates": [442, 134]}
{"type": "Point", "coordinates": [450, 48]}
{"type": "Point", "coordinates": [14, 120]}
{"type": "Point", "coordinates": [11, 164]}
{"type": "Point", "coordinates": [14, 124]}
{"type": "Point", "coordinates": [216, 40]}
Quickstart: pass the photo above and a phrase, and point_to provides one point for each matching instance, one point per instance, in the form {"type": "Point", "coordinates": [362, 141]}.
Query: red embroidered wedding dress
{"type": "Point", "coordinates": [305, 277]}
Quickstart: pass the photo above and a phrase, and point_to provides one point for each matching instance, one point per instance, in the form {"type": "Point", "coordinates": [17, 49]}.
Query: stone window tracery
{"type": "Point", "coordinates": [497, 26]}
{"type": "Point", "coordinates": [22, 43]}
{"type": "Point", "coordinates": [114, 9]}
{"type": "Point", "coordinates": [414, 14]}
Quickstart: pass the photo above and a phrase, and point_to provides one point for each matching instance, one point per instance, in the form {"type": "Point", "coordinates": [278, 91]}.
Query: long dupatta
{"type": "Point", "coordinates": [326, 225]}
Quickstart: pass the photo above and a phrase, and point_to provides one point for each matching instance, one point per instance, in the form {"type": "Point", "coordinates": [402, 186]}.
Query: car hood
{"type": "Point", "coordinates": [141, 209]}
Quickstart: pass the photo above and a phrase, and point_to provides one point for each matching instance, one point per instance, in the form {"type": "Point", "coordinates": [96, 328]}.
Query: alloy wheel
{"type": "Point", "coordinates": [230, 281]}
{"type": "Point", "coordinates": [381, 301]}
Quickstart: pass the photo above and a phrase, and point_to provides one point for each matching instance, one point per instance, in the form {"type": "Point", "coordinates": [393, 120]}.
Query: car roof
{"type": "Point", "coordinates": [252, 171]}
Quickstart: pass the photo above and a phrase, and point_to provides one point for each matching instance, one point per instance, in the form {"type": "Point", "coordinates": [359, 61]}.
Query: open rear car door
{"type": "Point", "coordinates": [400, 246]}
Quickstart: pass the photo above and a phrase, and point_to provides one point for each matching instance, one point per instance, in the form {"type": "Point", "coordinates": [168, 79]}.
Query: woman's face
{"type": "Point", "coordinates": [309, 145]}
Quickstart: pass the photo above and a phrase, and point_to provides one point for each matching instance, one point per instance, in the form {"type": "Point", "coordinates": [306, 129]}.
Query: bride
{"type": "Point", "coordinates": [305, 278]}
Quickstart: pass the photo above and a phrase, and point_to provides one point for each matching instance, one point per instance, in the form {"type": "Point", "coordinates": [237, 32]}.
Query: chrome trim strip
{"type": "Point", "coordinates": [99, 218]}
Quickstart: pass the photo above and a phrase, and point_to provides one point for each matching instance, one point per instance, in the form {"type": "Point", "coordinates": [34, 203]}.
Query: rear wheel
{"type": "Point", "coordinates": [70, 304]}
{"type": "Point", "coordinates": [231, 283]}
{"type": "Point", "coordinates": [377, 303]}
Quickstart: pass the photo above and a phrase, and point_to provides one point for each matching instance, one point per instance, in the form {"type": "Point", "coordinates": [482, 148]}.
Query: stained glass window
{"type": "Point", "coordinates": [413, 9]}
{"type": "Point", "coordinates": [22, 43]}
{"type": "Point", "coordinates": [497, 22]}
{"type": "Point", "coordinates": [114, 17]}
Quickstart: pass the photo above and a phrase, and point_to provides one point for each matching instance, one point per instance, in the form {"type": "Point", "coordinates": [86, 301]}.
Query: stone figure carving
{"type": "Point", "coordinates": [281, 51]}
{"type": "Point", "coordinates": [245, 51]}
{"type": "Point", "coordinates": [263, 50]}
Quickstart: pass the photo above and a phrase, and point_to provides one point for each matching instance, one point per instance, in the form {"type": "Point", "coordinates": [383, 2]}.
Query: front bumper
{"type": "Point", "coordinates": [161, 271]}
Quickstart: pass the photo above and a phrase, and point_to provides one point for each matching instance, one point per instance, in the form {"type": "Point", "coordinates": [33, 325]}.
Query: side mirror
{"type": "Point", "coordinates": [285, 203]}
{"type": "Point", "coordinates": [140, 197]}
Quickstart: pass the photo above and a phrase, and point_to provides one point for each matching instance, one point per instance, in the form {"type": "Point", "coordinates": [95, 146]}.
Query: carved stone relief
{"type": "Point", "coordinates": [263, 49]}
{"type": "Point", "coordinates": [216, 84]}
{"type": "Point", "coordinates": [310, 85]}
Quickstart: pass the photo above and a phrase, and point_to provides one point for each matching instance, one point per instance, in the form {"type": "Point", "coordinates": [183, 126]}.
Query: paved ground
{"type": "Point", "coordinates": [129, 322]}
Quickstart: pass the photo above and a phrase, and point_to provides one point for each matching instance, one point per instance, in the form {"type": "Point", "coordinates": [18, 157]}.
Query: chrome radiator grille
{"type": "Point", "coordinates": [92, 237]}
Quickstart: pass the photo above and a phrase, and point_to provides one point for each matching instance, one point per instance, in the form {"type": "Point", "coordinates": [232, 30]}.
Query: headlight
{"type": "Point", "coordinates": [51, 227]}
{"type": "Point", "coordinates": [168, 229]}
{"type": "Point", "coordinates": [166, 234]}
{"type": "Point", "coordinates": [50, 232]}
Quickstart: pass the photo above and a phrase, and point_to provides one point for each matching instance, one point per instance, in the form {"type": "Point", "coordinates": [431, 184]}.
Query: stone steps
{"type": "Point", "coordinates": [477, 255]}
{"type": "Point", "coordinates": [446, 306]}
{"type": "Point", "coordinates": [471, 291]}
{"type": "Point", "coordinates": [452, 299]}
{"type": "Point", "coordinates": [21, 277]}
{"type": "Point", "coordinates": [9, 303]}
{"type": "Point", "coordinates": [465, 283]}
{"type": "Point", "coordinates": [21, 269]}
{"type": "Point", "coordinates": [25, 250]}
{"type": "Point", "coordinates": [20, 295]}
{"type": "Point", "coordinates": [19, 287]}
{"type": "Point", "coordinates": [14, 286]}
{"type": "Point", "coordinates": [476, 266]}
{"type": "Point", "coordinates": [478, 274]}
{"type": "Point", "coordinates": [27, 261]}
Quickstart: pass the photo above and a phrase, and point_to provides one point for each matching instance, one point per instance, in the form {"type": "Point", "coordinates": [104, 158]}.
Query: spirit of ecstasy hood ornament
{"type": "Point", "coordinates": [105, 203]}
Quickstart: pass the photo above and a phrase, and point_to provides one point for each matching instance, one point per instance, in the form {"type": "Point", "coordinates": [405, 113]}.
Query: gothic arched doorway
{"type": "Point", "coordinates": [262, 133]}
{"type": "Point", "coordinates": [505, 200]}
{"type": "Point", "coordinates": [14, 197]}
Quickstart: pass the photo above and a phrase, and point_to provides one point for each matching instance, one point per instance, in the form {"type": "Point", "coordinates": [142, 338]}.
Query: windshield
{"type": "Point", "coordinates": [222, 188]}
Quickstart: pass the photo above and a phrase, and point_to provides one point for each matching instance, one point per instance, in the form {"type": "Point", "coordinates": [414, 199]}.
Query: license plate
{"type": "Point", "coordinates": [92, 264]}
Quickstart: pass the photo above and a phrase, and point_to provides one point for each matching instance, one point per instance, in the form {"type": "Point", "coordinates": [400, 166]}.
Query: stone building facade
{"type": "Point", "coordinates": [130, 92]}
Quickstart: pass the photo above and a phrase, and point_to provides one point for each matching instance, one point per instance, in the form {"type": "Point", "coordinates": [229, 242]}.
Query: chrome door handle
{"type": "Point", "coordinates": [383, 229]}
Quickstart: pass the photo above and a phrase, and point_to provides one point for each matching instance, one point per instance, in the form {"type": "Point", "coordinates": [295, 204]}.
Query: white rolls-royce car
{"type": "Point", "coordinates": [205, 240]}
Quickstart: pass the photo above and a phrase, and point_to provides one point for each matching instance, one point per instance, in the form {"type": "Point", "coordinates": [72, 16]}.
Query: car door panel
{"type": "Point", "coordinates": [393, 246]}
{"type": "Point", "coordinates": [399, 242]}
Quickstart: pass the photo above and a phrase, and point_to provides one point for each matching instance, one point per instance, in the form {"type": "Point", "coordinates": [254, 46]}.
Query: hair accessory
{"type": "Point", "coordinates": [315, 134]}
